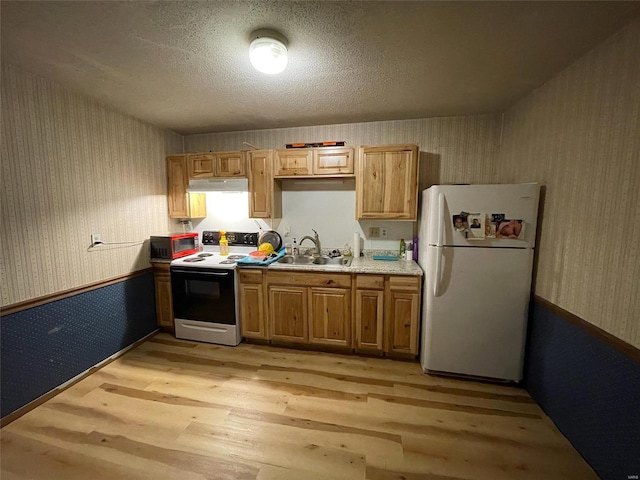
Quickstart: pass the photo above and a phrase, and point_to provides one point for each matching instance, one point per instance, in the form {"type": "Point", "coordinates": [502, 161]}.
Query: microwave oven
{"type": "Point", "coordinates": [173, 246]}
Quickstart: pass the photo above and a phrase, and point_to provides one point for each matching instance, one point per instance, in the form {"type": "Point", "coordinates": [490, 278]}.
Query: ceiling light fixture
{"type": "Point", "coordinates": [268, 51]}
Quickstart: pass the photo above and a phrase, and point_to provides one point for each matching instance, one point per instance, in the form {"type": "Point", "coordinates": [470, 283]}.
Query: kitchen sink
{"type": "Point", "coordinates": [297, 259]}
{"type": "Point", "coordinates": [322, 260]}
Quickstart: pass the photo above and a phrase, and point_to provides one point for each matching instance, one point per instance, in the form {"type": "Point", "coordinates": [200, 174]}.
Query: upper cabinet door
{"type": "Point", "coordinates": [387, 182]}
{"type": "Point", "coordinates": [260, 183]}
{"type": "Point", "coordinates": [333, 161]}
{"type": "Point", "coordinates": [230, 164]}
{"type": "Point", "coordinates": [202, 165]}
{"type": "Point", "coordinates": [293, 162]}
{"type": "Point", "coordinates": [177, 183]}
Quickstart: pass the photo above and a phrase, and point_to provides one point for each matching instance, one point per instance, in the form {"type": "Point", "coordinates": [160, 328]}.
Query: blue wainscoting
{"type": "Point", "coordinates": [589, 389]}
{"type": "Point", "coordinates": [45, 346]}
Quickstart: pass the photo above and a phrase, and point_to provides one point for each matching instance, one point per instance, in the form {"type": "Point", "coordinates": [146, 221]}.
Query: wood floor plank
{"type": "Point", "coordinates": [177, 409]}
{"type": "Point", "coordinates": [374, 473]}
{"type": "Point", "coordinates": [265, 446]}
{"type": "Point", "coordinates": [401, 419]}
{"type": "Point", "coordinates": [227, 395]}
{"type": "Point", "coordinates": [272, 472]}
{"type": "Point", "coordinates": [382, 446]}
{"type": "Point", "coordinates": [455, 454]}
{"type": "Point", "coordinates": [456, 407]}
{"type": "Point", "coordinates": [35, 459]}
{"type": "Point", "coordinates": [460, 396]}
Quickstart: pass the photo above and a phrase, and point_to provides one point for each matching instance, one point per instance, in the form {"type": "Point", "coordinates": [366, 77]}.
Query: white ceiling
{"type": "Point", "coordinates": [184, 65]}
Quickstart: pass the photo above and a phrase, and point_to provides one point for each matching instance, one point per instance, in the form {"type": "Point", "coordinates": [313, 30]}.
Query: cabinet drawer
{"type": "Point", "coordinates": [370, 281]}
{"type": "Point", "coordinates": [309, 279]}
{"type": "Point", "coordinates": [404, 283]}
{"type": "Point", "coordinates": [249, 275]}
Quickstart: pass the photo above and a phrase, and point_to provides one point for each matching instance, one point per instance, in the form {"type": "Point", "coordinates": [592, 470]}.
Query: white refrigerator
{"type": "Point", "coordinates": [476, 246]}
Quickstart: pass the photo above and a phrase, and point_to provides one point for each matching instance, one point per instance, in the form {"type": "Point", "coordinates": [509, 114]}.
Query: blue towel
{"type": "Point", "coordinates": [385, 257]}
{"type": "Point", "coordinates": [260, 261]}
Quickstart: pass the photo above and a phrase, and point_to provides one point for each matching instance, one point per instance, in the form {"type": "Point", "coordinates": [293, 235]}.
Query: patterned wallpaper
{"type": "Point", "coordinates": [579, 135]}
{"type": "Point", "coordinates": [457, 149]}
{"type": "Point", "coordinates": [71, 167]}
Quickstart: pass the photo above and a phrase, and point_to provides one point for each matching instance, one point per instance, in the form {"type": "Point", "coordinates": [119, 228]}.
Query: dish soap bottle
{"type": "Point", "coordinates": [403, 249]}
{"type": "Point", "coordinates": [224, 243]}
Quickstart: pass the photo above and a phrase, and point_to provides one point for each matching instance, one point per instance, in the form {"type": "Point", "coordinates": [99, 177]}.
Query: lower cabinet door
{"type": "Point", "coordinates": [369, 319]}
{"type": "Point", "coordinates": [402, 328]}
{"type": "Point", "coordinates": [330, 316]}
{"type": "Point", "coordinates": [164, 300]}
{"type": "Point", "coordinates": [288, 314]}
{"type": "Point", "coordinates": [252, 319]}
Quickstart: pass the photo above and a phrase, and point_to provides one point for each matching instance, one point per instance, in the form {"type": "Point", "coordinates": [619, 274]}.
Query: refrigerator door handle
{"type": "Point", "coordinates": [440, 218]}
{"type": "Point", "coordinates": [436, 275]}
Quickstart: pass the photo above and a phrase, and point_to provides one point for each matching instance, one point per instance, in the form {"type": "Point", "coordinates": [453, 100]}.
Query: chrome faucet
{"type": "Point", "coordinates": [316, 241]}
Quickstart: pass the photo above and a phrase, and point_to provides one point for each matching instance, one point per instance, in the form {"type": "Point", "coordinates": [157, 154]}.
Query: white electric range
{"type": "Point", "coordinates": [205, 289]}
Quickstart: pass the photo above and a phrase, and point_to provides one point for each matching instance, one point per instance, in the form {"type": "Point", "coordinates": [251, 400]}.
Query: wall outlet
{"type": "Point", "coordinates": [95, 239]}
{"type": "Point", "coordinates": [374, 232]}
{"type": "Point", "coordinates": [287, 231]}
{"type": "Point", "coordinates": [383, 232]}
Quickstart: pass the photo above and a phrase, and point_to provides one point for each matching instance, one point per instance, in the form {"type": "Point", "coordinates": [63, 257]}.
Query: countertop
{"type": "Point", "coordinates": [364, 264]}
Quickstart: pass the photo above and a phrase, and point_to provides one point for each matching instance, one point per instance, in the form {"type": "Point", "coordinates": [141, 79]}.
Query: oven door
{"type": "Point", "coordinates": [203, 294]}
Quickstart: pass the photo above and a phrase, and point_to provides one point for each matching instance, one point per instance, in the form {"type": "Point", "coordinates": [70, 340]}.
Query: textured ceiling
{"type": "Point", "coordinates": [184, 65]}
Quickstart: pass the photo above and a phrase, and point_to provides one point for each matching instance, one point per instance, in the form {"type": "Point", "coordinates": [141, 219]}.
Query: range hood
{"type": "Point", "coordinates": [199, 185]}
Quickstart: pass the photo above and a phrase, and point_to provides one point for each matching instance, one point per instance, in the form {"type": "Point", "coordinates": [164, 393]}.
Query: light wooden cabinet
{"type": "Point", "coordinates": [265, 196]}
{"type": "Point", "coordinates": [252, 304]}
{"type": "Point", "coordinates": [181, 203]}
{"type": "Point", "coordinates": [216, 165]}
{"type": "Point", "coordinates": [387, 182]}
{"type": "Point", "coordinates": [314, 162]}
{"type": "Point", "coordinates": [164, 301]}
{"type": "Point", "coordinates": [316, 309]}
{"type": "Point", "coordinates": [387, 313]}
{"type": "Point", "coordinates": [293, 162]}
{"type": "Point", "coordinates": [309, 307]}
{"type": "Point", "coordinates": [288, 319]}
{"type": "Point", "coordinates": [330, 316]}
{"type": "Point", "coordinates": [230, 164]}
{"type": "Point", "coordinates": [201, 165]}
{"type": "Point", "coordinates": [369, 313]}
{"type": "Point", "coordinates": [333, 161]}
{"type": "Point", "coordinates": [402, 314]}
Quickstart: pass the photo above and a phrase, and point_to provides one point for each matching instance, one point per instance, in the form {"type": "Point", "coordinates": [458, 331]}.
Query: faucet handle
{"type": "Point", "coordinates": [316, 233]}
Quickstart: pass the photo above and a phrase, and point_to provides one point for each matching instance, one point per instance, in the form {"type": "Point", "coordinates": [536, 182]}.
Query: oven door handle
{"type": "Point", "coordinates": [196, 272]}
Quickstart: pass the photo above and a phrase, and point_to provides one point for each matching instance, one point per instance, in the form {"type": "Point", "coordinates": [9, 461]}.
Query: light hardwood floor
{"type": "Point", "coordinates": [173, 409]}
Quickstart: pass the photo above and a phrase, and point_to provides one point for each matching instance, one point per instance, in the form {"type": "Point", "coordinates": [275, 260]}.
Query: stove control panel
{"type": "Point", "coordinates": [212, 237]}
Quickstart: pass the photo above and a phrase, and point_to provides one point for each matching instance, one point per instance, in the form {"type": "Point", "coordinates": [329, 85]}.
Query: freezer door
{"type": "Point", "coordinates": [475, 311]}
{"type": "Point", "coordinates": [516, 202]}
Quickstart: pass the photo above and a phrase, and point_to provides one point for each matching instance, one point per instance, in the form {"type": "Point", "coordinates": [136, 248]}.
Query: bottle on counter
{"type": "Point", "coordinates": [403, 249]}
{"type": "Point", "coordinates": [408, 255]}
{"type": "Point", "coordinates": [294, 248]}
{"type": "Point", "coordinates": [224, 243]}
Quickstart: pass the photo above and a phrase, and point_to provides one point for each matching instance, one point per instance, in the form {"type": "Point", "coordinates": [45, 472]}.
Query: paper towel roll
{"type": "Point", "coordinates": [356, 244]}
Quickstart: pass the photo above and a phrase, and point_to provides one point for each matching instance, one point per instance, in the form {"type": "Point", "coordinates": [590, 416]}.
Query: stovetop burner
{"type": "Point", "coordinates": [194, 259]}
{"type": "Point", "coordinates": [232, 259]}
{"type": "Point", "coordinates": [205, 254]}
